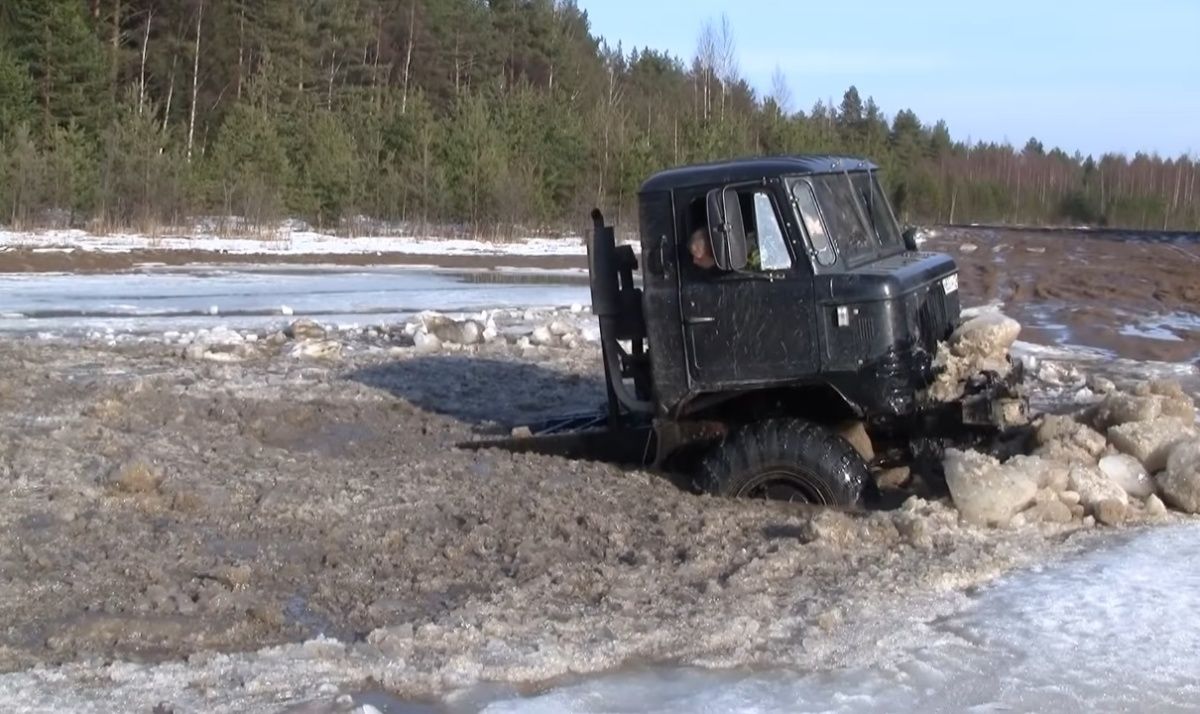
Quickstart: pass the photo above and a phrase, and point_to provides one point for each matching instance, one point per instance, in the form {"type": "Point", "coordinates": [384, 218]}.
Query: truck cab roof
{"type": "Point", "coordinates": [752, 169]}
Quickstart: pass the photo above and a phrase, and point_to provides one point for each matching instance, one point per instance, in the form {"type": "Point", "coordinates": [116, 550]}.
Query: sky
{"type": "Point", "coordinates": [1100, 76]}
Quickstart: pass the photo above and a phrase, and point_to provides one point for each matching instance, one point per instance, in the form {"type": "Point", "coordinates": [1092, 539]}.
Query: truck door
{"type": "Point", "coordinates": [757, 324]}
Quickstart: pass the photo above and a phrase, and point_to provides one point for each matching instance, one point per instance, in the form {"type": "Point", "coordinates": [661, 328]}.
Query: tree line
{"type": "Point", "coordinates": [483, 114]}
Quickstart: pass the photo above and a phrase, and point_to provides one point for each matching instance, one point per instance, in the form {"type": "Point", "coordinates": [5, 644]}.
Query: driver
{"type": "Point", "coordinates": [700, 248]}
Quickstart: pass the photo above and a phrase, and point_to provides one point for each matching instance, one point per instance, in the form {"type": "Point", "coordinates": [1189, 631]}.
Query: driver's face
{"type": "Point", "coordinates": [701, 250]}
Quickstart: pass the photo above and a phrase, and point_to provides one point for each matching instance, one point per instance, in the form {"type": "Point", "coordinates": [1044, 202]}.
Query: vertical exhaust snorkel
{"type": "Point", "coordinates": [604, 268]}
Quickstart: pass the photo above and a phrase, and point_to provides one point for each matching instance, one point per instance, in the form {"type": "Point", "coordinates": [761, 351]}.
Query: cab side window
{"type": "Point", "coordinates": [765, 241]}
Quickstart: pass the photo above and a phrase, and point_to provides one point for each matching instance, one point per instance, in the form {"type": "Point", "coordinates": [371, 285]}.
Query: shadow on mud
{"type": "Point", "coordinates": [485, 392]}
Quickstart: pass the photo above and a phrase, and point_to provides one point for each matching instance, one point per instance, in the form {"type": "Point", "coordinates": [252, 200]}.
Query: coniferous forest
{"type": "Point", "coordinates": [485, 114]}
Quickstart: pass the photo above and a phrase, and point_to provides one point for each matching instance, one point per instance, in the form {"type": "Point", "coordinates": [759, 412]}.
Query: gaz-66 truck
{"type": "Point", "coordinates": [779, 301]}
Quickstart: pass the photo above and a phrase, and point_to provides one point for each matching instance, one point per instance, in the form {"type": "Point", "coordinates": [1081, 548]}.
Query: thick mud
{"type": "Point", "coordinates": [1136, 298]}
{"type": "Point", "coordinates": [158, 507]}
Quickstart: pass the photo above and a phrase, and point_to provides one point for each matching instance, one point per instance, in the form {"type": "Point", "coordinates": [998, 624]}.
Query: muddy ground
{"type": "Point", "coordinates": [157, 507]}
{"type": "Point", "coordinates": [1086, 289]}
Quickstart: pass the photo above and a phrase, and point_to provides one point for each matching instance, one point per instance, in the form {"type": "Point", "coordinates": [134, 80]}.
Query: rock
{"type": "Point", "coordinates": [1180, 483]}
{"type": "Point", "coordinates": [1111, 512]}
{"type": "Point", "coordinates": [1049, 512]}
{"type": "Point", "coordinates": [1150, 442]}
{"type": "Point", "coordinates": [137, 476]}
{"type": "Point", "coordinates": [542, 336]}
{"type": "Point", "coordinates": [1094, 487]}
{"type": "Point", "coordinates": [985, 492]}
{"type": "Point", "coordinates": [304, 330]}
{"type": "Point", "coordinates": [1128, 473]}
{"type": "Point", "coordinates": [1069, 498]}
{"type": "Point", "coordinates": [855, 432]}
{"type": "Point", "coordinates": [1155, 508]}
{"type": "Point", "coordinates": [1120, 408]}
{"type": "Point", "coordinates": [1062, 438]}
{"type": "Point", "coordinates": [317, 349]}
{"type": "Point", "coordinates": [426, 343]}
{"type": "Point", "coordinates": [1045, 473]}
{"type": "Point", "coordinates": [451, 331]}
{"type": "Point", "coordinates": [895, 478]}
{"type": "Point", "coordinates": [1100, 385]}
{"type": "Point", "coordinates": [522, 432]}
{"type": "Point", "coordinates": [987, 338]}
{"type": "Point", "coordinates": [558, 328]}
{"type": "Point", "coordinates": [981, 343]}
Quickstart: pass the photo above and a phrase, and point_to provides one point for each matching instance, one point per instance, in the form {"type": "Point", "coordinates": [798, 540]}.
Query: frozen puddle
{"type": "Point", "coordinates": [1111, 630]}
{"type": "Point", "coordinates": [261, 296]}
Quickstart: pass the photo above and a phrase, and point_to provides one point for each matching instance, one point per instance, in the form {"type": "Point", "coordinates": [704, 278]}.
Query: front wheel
{"type": "Point", "coordinates": [785, 460]}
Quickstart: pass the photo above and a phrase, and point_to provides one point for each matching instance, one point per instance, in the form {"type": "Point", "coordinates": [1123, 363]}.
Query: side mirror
{"type": "Point", "coordinates": [914, 236]}
{"type": "Point", "coordinates": [726, 229]}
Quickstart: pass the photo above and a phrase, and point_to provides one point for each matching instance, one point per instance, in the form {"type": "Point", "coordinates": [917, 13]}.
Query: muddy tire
{"type": "Point", "coordinates": [786, 460]}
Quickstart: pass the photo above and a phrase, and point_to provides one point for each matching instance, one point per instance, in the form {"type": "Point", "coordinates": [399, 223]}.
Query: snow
{"type": "Point", "coordinates": [286, 241]}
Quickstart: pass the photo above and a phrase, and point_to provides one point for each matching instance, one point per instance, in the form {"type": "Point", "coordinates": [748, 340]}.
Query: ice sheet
{"type": "Point", "coordinates": [252, 297]}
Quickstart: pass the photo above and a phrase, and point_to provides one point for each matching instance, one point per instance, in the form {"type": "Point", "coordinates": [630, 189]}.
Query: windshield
{"type": "Point", "coordinates": [857, 216]}
{"type": "Point", "coordinates": [866, 185]}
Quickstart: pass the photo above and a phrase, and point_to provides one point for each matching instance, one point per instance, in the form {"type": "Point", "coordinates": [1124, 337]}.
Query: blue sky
{"type": "Point", "coordinates": [1094, 76]}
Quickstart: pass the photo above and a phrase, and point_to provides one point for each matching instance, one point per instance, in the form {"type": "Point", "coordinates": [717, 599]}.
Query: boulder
{"type": "Point", "coordinates": [305, 330]}
{"type": "Point", "coordinates": [1111, 512]}
{"type": "Point", "coordinates": [317, 349]}
{"type": "Point", "coordinates": [1062, 438]}
{"type": "Point", "coordinates": [1049, 512]}
{"type": "Point", "coordinates": [450, 331]}
{"type": "Point", "coordinates": [984, 491]}
{"type": "Point", "coordinates": [1128, 473]}
{"type": "Point", "coordinates": [979, 344]}
{"type": "Point", "coordinates": [1093, 486]}
{"type": "Point", "coordinates": [1155, 508]}
{"type": "Point", "coordinates": [1048, 475]}
{"type": "Point", "coordinates": [1180, 483]}
{"type": "Point", "coordinates": [1150, 442]}
{"type": "Point", "coordinates": [558, 328]}
{"type": "Point", "coordinates": [1121, 408]}
{"type": "Point", "coordinates": [542, 336]}
{"type": "Point", "coordinates": [426, 343]}
{"type": "Point", "coordinates": [986, 339]}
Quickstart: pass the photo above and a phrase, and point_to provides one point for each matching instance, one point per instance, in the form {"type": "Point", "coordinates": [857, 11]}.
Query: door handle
{"type": "Point", "coordinates": [700, 320]}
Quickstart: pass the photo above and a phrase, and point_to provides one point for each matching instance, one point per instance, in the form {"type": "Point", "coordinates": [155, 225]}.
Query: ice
{"type": "Point", "coordinates": [1107, 631]}
{"type": "Point", "coordinates": [179, 299]}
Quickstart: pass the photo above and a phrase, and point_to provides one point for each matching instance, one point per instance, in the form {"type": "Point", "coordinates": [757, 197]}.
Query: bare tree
{"type": "Point", "coordinates": [408, 53]}
{"type": "Point", "coordinates": [195, 82]}
{"type": "Point", "coordinates": [142, 69]}
{"type": "Point", "coordinates": [781, 93]}
{"type": "Point", "coordinates": [727, 69]}
{"type": "Point", "coordinates": [705, 64]}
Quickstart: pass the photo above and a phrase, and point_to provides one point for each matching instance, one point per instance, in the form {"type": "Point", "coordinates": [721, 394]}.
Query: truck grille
{"type": "Point", "coordinates": [934, 323]}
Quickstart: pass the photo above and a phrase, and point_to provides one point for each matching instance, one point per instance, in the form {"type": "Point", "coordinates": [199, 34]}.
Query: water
{"type": "Point", "coordinates": [252, 297]}
{"type": "Point", "coordinates": [1112, 630]}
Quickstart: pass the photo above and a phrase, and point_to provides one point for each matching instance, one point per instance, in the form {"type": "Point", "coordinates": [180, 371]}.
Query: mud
{"type": "Point", "coordinates": [157, 507]}
{"type": "Point", "coordinates": [1136, 298]}
{"type": "Point", "coordinates": [27, 260]}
